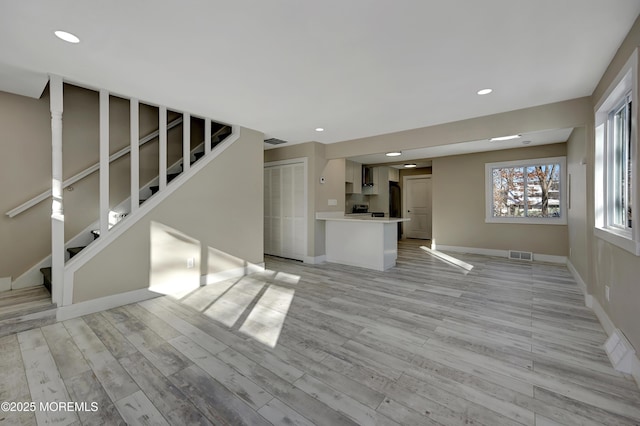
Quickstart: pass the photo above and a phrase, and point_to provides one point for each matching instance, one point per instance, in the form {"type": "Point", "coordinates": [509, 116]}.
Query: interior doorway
{"type": "Point", "coordinates": [416, 205]}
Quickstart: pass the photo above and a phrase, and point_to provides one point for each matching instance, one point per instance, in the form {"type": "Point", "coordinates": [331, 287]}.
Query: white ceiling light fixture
{"type": "Point", "coordinates": [68, 37]}
{"type": "Point", "coordinates": [410, 166]}
{"type": "Point", "coordinates": [484, 91]}
{"type": "Point", "coordinates": [319, 129]}
{"type": "Point", "coordinates": [505, 138]}
{"type": "Point", "coordinates": [394, 154]}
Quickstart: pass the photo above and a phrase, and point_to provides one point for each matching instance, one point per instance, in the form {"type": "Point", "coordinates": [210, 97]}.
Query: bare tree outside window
{"type": "Point", "coordinates": [530, 191]}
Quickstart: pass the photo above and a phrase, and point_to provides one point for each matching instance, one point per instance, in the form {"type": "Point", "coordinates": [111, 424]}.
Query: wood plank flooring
{"type": "Point", "coordinates": [24, 309]}
{"type": "Point", "coordinates": [425, 343]}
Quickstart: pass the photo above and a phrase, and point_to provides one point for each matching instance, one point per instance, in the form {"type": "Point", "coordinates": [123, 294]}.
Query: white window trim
{"type": "Point", "coordinates": [488, 170]}
{"type": "Point", "coordinates": [625, 82]}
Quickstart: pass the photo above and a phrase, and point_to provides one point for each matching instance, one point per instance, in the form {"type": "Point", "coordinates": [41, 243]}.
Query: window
{"type": "Point", "coordinates": [526, 191]}
{"type": "Point", "coordinates": [616, 162]}
{"type": "Point", "coordinates": [619, 180]}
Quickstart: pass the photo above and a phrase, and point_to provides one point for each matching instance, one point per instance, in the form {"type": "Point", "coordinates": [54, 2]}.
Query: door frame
{"type": "Point", "coordinates": [305, 162]}
{"type": "Point", "coordinates": [404, 198]}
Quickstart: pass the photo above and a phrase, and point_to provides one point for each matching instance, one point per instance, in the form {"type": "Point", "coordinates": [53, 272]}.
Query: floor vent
{"type": "Point", "coordinates": [521, 255]}
{"type": "Point", "coordinates": [620, 351]}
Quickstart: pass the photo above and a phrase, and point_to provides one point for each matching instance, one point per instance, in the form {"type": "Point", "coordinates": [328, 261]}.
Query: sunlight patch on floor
{"type": "Point", "coordinates": [287, 278]}
{"type": "Point", "coordinates": [467, 267]}
{"type": "Point", "coordinates": [267, 317]}
{"type": "Point", "coordinates": [230, 306]}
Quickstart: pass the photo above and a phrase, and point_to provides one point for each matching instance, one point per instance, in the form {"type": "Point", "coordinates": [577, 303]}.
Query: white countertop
{"type": "Point", "coordinates": [339, 216]}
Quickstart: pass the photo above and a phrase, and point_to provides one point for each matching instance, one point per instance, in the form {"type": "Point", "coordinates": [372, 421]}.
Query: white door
{"type": "Point", "coordinates": [417, 207]}
{"type": "Point", "coordinates": [285, 210]}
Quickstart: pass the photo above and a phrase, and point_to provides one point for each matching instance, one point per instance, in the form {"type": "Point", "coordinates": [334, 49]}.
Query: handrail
{"type": "Point", "coordinates": [89, 170]}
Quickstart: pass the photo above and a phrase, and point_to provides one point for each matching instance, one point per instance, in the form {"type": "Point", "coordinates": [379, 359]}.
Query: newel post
{"type": "Point", "coordinates": [57, 207]}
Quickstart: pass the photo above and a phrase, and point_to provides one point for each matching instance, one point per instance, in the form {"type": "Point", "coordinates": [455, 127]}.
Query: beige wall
{"type": "Point", "coordinates": [25, 130]}
{"type": "Point", "coordinates": [611, 265]}
{"type": "Point", "coordinates": [25, 161]}
{"type": "Point", "coordinates": [577, 217]}
{"type": "Point", "coordinates": [459, 205]}
{"type": "Point", "coordinates": [205, 211]}
{"type": "Point", "coordinates": [566, 114]}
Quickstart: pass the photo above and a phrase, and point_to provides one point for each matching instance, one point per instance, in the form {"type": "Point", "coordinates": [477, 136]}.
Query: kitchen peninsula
{"type": "Point", "coordinates": [361, 240]}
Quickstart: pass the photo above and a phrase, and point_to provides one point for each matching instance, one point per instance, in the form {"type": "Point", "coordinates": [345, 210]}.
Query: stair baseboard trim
{"type": "Point", "coordinates": [537, 257]}
{"type": "Point", "coordinates": [103, 303]}
{"type": "Point", "coordinates": [104, 241]}
{"type": "Point", "coordinates": [5, 283]}
{"type": "Point", "coordinates": [33, 277]}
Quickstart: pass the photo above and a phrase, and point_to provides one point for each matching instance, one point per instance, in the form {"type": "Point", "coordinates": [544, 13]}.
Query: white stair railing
{"type": "Point", "coordinates": [60, 295]}
{"type": "Point", "coordinates": [89, 170]}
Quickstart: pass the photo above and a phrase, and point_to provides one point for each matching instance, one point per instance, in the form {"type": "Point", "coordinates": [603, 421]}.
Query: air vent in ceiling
{"type": "Point", "coordinates": [274, 141]}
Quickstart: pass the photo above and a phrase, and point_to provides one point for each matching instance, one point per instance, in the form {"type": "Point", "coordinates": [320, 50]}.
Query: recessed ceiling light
{"type": "Point", "coordinates": [68, 37]}
{"type": "Point", "coordinates": [410, 166]}
{"type": "Point", "coordinates": [319, 129]}
{"type": "Point", "coordinates": [484, 91]}
{"type": "Point", "coordinates": [506, 138]}
{"type": "Point", "coordinates": [393, 154]}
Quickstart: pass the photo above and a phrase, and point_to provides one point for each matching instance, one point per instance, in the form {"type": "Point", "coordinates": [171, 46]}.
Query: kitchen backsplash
{"type": "Point", "coordinates": [355, 199]}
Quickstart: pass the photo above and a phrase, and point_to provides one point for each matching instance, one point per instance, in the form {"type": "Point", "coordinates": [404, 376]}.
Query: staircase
{"type": "Point", "coordinates": [25, 309]}
{"type": "Point", "coordinates": [218, 134]}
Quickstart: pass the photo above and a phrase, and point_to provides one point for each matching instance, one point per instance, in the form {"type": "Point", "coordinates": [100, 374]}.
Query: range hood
{"type": "Point", "coordinates": [367, 176]}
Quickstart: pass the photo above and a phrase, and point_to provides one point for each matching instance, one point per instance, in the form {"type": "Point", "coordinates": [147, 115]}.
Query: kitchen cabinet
{"type": "Point", "coordinates": [365, 242]}
{"type": "Point", "coordinates": [353, 177]}
{"type": "Point", "coordinates": [394, 174]}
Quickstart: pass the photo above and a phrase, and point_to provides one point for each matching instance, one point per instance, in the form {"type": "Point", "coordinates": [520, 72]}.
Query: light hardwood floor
{"type": "Point", "coordinates": [25, 309]}
{"type": "Point", "coordinates": [425, 343]}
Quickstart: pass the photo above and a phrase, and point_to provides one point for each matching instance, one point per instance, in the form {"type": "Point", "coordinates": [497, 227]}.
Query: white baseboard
{"type": "Point", "coordinates": [588, 299]}
{"type": "Point", "coordinates": [472, 250]}
{"type": "Point", "coordinates": [315, 260]}
{"type": "Point", "coordinates": [500, 253]}
{"type": "Point", "coordinates": [608, 325]}
{"type": "Point", "coordinates": [103, 303]}
{"type": "Point", "coordinates": [5, 283]}
{"type": "Point", "coordinates": [604, 319]}
{"type": "Point", "coordinates": [549, 258]}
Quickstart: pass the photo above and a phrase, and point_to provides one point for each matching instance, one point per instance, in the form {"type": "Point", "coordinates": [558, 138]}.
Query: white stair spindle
{"type": "Point", "coordinates": [162, 151]}
{"type": "Point", "coordinates": [186, 141]}
{"type": "Point", "coordinates": [104, 162]}
{"type": "Point", "coordinates": [57, 207]}
{"type": "Point", "coordinates": [135, 154]}
{"type": "Point", "coordinates": [207, 136]}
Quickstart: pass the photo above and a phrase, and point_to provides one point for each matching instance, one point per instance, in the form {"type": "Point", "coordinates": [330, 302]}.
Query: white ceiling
{"type": "Point", "coordinates": [356, 67]}
{"type": "Point", "coordinates": [545, 137]}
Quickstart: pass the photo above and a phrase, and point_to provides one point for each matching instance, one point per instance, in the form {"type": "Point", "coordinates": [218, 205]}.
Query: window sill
{"type": "Point", "coordinates": [615, 238]}
{"type": "Point", "coordinates": [526, 221]}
